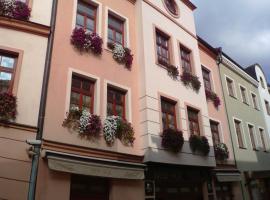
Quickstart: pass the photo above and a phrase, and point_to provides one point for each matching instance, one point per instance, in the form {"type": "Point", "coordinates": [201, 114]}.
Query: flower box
{"type": "Point", "coordinates": [173, 72]}
{"type": "Point", "coordinates": [86, 41]}
{"type": "Point", "coordinates": [199, 144]}
{"type": "Point", "coordinates": [221, 151]}
{"type": "Point", "coordinates": [213, 97]}
{"type": "Point", "coordinates": [8, 107]}
{"type": "Point", "coordinates": [14, 9]}
{"type": "Point", "coordinates": [189, 79]}
{"type": "Point", "coordinates": [172, 140]}
{"type": "Point", "coordinates": [121, 54]}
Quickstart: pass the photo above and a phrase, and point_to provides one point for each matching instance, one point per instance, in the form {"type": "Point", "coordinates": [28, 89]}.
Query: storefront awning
{"type": "Point", "coordinates": [95, 168]}
{"type": "Point", "coordinates": [228, 177]}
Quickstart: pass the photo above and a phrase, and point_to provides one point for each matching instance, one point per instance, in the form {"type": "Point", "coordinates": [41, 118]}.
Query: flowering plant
{"type": "Point", "coordinates": [190, 80]}
{"type": "Point", "coordinates": [199, 143]}
{"type": "Point", "coordinates": [8, 107]}
{"type": "Point", "coordinates": [110, 129]}
{"type": "Point", "coordinates": [172, 139]}
{"type": "Point", "coordinates": [121, 54]}
{"type": "Point", "coordinates": [213, 97]}
{"type": "Point", "coordinates": [221, 151]}
{"type": "Point", "coordinates": [173, 71]}
{"type": "Point", "coordinates": [125, 132]}
{"type": "Point", "coordinates": [83, 122]}
{"type": "Point", "coordinates": [14, 9]}
{"type": "Point", "coordinates": [85, 41]}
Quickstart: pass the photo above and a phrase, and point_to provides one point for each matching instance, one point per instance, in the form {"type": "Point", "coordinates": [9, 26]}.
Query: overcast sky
{"type": "Point", "coordinates": [241, 27]}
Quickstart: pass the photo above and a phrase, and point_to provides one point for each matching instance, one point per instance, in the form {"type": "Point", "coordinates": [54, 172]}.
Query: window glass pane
{"type": "Point", "coordinates": [90, 25]}
{"type": "Point", "coordinates": [119, 98]}
{"type": "Point", "coordinates": [119, 37]}
{"type": "Point", "coordinates": [109, 109]}
{"type": "Point", "coordinates": [87, 9]}
{"type": "Point", "coordinates": [164, 120]}
{"type": "Point", "coordinates": [80, 20]}
{"type": "Point", "coordinates": [86, 86]}
{"type": "Point", "coordinates": [86, 101]}
{"type": "Point", "coordinates": [76, 83]}
{"type": "Point", "coordinates": [75, 98]}
{"type": "Point", "coordinates": [119, 110]}
{"type": "Point", "coordinates": [171, 121]}
{"type": "Point", "coordinates": [116, 24]}
{"type": "Point", "coordinates": [7, 62]}
{"type": "Point", "coordinates": [5, 79]}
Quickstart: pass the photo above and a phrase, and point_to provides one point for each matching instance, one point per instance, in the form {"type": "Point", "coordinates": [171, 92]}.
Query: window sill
{"type": "Point", "coordinates": [246, 103]}
{"type": "Point", "coordinates": [243, 148]}
{"type": "Point", "coordinates": [233, 97]}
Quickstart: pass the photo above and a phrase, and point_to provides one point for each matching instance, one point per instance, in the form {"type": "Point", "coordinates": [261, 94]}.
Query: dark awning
{"type": "Point", "coordinates": [228, 177]}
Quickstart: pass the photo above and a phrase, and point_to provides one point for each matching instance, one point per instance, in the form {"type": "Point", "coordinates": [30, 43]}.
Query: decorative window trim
{"type": "Point", "coordinates": [220, 129]}
{"type": "Point", "coordinates": [257, 101]}
{"type": "Point", "coordinates": [242, 133]}
{"type": "Point", "coordinates": [96, 106]}
{"type": "Point", "coordinates": [247, 96]}
{"type": "Point", "coordinates": [213, 85]}
{"type": "Point", "coordinates": [126, 27]}
{"type": "Point", "coordinates": [177, 15]}
{"type": "Point", "coordinates": [234, 87]}
{"type": "Point", "coordinates": [18, 65]}
{"type": "Point", "coordinates": [192, 61]}
{"type": "Point", "coordinates": [98, 19]}
{"type": "Point", "coordinates": [254, 135]}
{"type": "Point", "coordinates": [128, 103]}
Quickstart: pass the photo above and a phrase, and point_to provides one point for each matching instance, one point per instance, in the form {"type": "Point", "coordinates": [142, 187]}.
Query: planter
{"type": "Point", "coordinates": [172, 140]}
{"type": "Point", "coordinates": [213, 97]}
{"type": "Point", "coordinates": [83, 122]}
{"type": "Point", "coordinates": [221, 151]}
{"type": "Point", "coordinates": [88, 42]}
{"type": "Point", "coordinates": [117, 128]}
{"type": "Point", "coordinates": [121, 54]}
{"type": "Point", "coordinates": [190, 80]}
{"type": "Point", "coordinates": [8, 107]}
{"type": "Point", "coordinates": [173, 72]}
{"type": "Point", "coordinates": [14, 9]}
{"type": "Point", "coordinates": [200, 144]}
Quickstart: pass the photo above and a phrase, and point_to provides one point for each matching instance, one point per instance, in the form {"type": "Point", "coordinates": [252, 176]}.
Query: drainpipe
{"type": "Point", "coordinates": [37, 143]}
{"type": "Point", "coordinates": [219, 61]}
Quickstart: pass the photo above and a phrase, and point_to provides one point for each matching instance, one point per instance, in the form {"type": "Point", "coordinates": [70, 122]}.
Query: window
{"type": "Point", "coordinates": [116, 102]}
{"type": "Point", "coordinates": [7, 72]}
{"type": "Point", "coordinates": [230, 87]}
{"type": "Point", "coordinates": [163, 52]}
{"type": "Point", "coordinates": [215, 132]}
{"type": "Point", "coordinates": [243, 94]}
{"type": "Point", "coordinates": [239, 133]}
{"type": "Point", "coordinates": [251, 135]}
{"type": "Point", "coordinates": [168, 113]}
{"type": "Point", "coordinates": [82, 93]}
{"type": "Point", "coordinates": [267, 107]}
{"type": "Point", "coordinates": [262, 139]}
{"type": "Point", "coordinates": [254, 100]}
{"type": "Point", "coordinates": [206, 79]}
{"type": "Point", "coordinates": [185, 59]}
{"type": "Point", "coordinates": [116, 30]}
{"type": "Point", "coordinates": [171, 6]}
{"type": "Point", "coordinates": [193, 119]}
{"type": "Point", "coordinates": [262, 83]}
{"type": "Point", "coordinates": [86, 16]}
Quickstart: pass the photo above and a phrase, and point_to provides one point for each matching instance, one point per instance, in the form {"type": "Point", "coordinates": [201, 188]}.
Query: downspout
{"type": "Point", "coordinates": [43, 100]}
{"type": "Point", "coordinates": [219, 61]}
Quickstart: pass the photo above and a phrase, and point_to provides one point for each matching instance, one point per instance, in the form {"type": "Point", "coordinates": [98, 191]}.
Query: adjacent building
{"type": "Point", "coordinates": [248, 128]}
{"type": "Point", "coordinates": [170, 98]}
{"type": "Point", "coordinates": [226, 178]}
{"type": "Point", "coordinates": [93, 74]}
{"type": "Point", "coordinates": [24, 32]}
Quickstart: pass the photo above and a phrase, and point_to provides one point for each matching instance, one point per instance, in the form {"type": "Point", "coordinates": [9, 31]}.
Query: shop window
{"type": "Point", "coordinates": [215, 132]}
{"type": "Point", "coordinates": [163, 48]}
{"type": "Point", "coordinates": [7, 71]}
{"type": "Point", "coordinates": [254, 101]}
{"type": "Point", "coordinates": [206, 79]}
{"type": "Point", "coordinates": [186, 59]}
{"type": "Point", "coordinates": [116, 100]}
{"type": "Point", "coordinates": [193, 119]}
{"type": "Point", "coordinates": [82, 93]}
{"type": "Point", "coordinates": [116, 33]}
{"type": "Point", "coordinates": [267, 107]}
{"type": "Point", "coordinates": [230, 87]}
{"type": "Point", "coordinates": [239, 133]}
{"type": "Point", "coordinates": [243, 94]}
{"type": "Point", "coordinates": [252, 136]}
{"type": "Point", "coordinates": [262, 139]}
{"type": "Point", "coordinates": [86, 16]}
{"type": "Point", "coordinates": [168, 113]}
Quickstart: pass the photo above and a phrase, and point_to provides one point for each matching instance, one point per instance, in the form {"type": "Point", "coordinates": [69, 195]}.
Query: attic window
{"type": "Point", "coordinates": [171, 7]}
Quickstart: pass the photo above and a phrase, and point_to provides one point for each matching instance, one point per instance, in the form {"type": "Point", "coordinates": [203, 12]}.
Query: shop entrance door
{"type": "Point", "coordinates": [89, 188]}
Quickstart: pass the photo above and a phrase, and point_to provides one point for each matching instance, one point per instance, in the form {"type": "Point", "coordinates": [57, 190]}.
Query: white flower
{"type": "Point", "coordinates": [110, 128]}
{"type": "Point", "coordinates": [8, 7]}
{"type": "Point", "coordinates": [118, 52]}
{"type": "Point", "coordinates": [84, 121]}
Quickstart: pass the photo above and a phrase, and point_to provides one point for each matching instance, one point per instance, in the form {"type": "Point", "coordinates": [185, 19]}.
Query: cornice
{"type": "Point", "coordinates": [189, 4]}
{"type": "Point", "coordinates": [239, 71]}
{"type": "Point", "coordinates": [25, 26]}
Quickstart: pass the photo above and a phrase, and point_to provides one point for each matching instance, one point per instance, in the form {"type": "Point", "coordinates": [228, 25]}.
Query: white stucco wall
{"type": "Point", "coordinates": [156, 80]}
{"type": "Point", "coordinates": [31, 73]}
{"type": "Point", "coordinates": [41, 11]}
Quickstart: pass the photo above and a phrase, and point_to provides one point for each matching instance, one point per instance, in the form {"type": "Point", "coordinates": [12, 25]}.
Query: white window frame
{"type": "Point", "coordinates": [234, 88]}
{"type": "Point", "coordinates": [128, 106]}
{"type": "Point", "coordinates": [99, 15]}
{"type": "Point", "coordinates": [96, 107]}
{"type": "Point", "coordinates": [242, 133]}
{"type": "Point", "coordinates": [126, 26]}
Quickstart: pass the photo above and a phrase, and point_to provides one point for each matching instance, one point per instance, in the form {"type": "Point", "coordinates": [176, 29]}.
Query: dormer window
{"type": "Point", "coordinates": [262, 83]}
{"type": "Point", "coordinates": [172, 7]}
